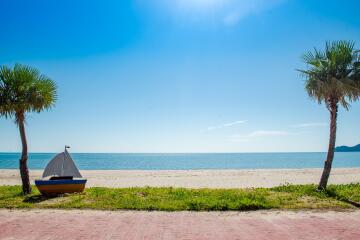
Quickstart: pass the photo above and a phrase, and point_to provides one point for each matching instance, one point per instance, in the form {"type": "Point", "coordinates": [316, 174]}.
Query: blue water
{"type": "Point", "coordinates": [185, 161]}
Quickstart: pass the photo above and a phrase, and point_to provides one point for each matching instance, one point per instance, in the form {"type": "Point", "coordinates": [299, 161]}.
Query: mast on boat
{"type": "Point", "coordinates": [62, 166]}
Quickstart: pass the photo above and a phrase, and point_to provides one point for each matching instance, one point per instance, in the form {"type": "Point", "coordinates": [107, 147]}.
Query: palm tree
{"type": "Point", "coordinates": [331, 78]}
{"type": "Point", "coordinates": [23, 90]}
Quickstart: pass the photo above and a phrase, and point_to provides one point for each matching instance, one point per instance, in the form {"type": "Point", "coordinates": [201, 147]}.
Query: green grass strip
{"type": "Point", "coordinates": [181, 199]}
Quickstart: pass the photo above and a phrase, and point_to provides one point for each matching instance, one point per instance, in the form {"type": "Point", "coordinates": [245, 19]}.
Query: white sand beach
{"type": "Point", "coordinates": [198, 178]}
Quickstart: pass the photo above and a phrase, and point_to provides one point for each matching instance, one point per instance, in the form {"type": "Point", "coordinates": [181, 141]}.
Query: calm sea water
{"type": "Point", "coordinates": [184, 161]}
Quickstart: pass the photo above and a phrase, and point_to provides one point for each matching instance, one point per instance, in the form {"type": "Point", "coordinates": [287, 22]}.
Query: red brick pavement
{"type": "Point", "coordinates": [76, 224]}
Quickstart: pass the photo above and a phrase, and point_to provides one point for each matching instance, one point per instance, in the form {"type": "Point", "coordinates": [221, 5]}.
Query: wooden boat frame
{"type": "Point", "coordinates": [60, 186]}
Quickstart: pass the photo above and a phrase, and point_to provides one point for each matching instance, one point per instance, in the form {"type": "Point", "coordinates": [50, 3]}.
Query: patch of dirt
{"type": "Point", "coordinates": [55, 200]}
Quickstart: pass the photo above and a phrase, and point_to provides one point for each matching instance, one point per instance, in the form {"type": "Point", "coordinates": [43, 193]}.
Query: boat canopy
{"type": "Point", "coordinates": [62, 165]}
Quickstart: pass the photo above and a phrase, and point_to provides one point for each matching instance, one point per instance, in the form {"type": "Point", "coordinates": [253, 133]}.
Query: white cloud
{"type": "Point", "coordinates": [268, 133]}
{"type": "Point", "coordinates": [259, 134]}
{"type": "Point", "coordinates": [232, 18]}
{"type": "Point", "coordinates": [314, 124]}
{"type": "Point", "coordinates": [227, 12]}
{"type": "Point", "coordinates": [246, 8]}
{"type": "Point", "coordinates": [201, 4]}
{"type": "Point", "coordinates": [226, 125]}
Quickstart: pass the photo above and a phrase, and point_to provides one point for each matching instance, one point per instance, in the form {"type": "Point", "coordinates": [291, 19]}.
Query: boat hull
{"type": "Point", "coordinates": [52, 187]}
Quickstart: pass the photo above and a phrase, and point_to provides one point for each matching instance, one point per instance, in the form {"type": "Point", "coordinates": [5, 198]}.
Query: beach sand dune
{"type": "Point", "coordinates": [198, 178]}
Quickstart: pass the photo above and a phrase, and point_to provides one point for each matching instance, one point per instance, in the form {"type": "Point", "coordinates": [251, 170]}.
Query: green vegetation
{"type": "Point", "coordinates": [332, 77]}
{"type": "Point", "coordinates": [23, 90]}
{"type": "Point", "coordinates": [178, 199]}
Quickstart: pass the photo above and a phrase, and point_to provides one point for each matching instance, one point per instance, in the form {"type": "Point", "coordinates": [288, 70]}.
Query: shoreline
{"type": "Point", "coordinates": [244, 178]}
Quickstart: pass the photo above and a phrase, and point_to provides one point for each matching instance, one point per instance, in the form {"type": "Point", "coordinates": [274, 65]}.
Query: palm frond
{"type": "Point", "coordinates": [333, 73]}
{"type": "Point", "coordinates": [23, 89]}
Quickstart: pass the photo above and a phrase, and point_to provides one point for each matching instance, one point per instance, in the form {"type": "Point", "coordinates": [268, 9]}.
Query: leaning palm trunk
{"type": "Point", "coordinates": [333, 108]}
{"type": "Point", "coordinates": [332, 77]}
{"type": "Point", "coordinates": [22, 90]}
{"type": "Point", "coordinates": [24, 171]}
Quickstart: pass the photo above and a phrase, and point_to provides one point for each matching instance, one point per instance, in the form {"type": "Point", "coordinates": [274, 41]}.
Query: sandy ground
{"type": "Point", "coordinates": [199, 178]}
{"type": "Point", "coordinates": [260, 225]}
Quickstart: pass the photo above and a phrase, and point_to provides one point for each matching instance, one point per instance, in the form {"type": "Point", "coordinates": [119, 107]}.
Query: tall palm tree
{"type": "Point", "coordinates": [356, 75]}
{"type": "Point", "coordinates": [331, 79]}
{"type": "Point", "coordinates": [23, 90]}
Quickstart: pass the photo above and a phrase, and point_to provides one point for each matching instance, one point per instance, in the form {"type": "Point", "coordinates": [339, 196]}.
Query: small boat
{"type": "Point", "coordinates": [64, 176]}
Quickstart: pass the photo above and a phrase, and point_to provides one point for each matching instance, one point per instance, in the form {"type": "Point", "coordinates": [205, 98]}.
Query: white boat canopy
{"type": "Point", "coordinates": [62, 165]}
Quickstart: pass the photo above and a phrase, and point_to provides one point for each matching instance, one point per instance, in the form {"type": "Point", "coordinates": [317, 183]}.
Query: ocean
{"type": "Point", "coordinates": [187, 161]}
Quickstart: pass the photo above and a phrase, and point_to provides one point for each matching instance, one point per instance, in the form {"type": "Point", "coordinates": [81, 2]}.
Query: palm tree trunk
{"type": "Point", "coordinates": [24, 171]}
{"type": "Point", "coordinates": [333, 108]}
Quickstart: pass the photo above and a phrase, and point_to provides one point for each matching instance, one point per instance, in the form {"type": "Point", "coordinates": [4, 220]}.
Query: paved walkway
{"type": "Point", "coordinates": [61, 224]}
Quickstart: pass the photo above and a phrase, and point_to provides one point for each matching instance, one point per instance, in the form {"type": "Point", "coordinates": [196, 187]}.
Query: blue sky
{"type": "Point", "coordinates": [176, 76]}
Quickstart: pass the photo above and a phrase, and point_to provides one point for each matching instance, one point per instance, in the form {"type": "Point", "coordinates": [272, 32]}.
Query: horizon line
{"type": "Point", "coordinates": [169, 152]}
